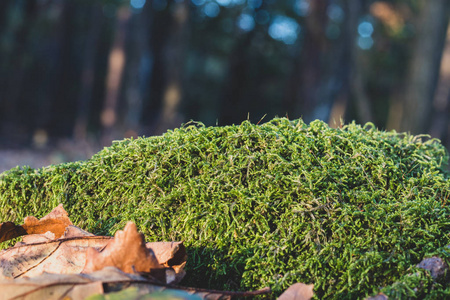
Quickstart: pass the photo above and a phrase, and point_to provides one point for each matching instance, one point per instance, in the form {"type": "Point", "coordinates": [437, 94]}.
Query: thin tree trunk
{"type": "Point", "coordinates": [357, 78]}
{"type": "Point", "coordinates": [237, 77]}
{"type": "Point", "coordinates": [170, 116]}
{"type": "Point", "coordinates": [306, 89]}
{"type": "Point", "coordinates": [334, 86]}
{"type": "Point", "coordinates": [137, 71]}
{"type": "Point", "coordinates": [115, 71]}
{"type": "Point", "coordinates": [416, 101]}
{"type": "Point", "coordinates": [66, 81]}
{"type": "Point", "coordinates": [340, 103]}
{"type": "Point", "coordinates": [440, 127]}
{"type": "Point", "coordinates": [15, 83]}
{"type": "Point", "coordinates": [87, 75]}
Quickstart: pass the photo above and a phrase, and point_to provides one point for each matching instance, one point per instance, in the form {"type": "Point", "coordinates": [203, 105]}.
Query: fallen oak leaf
{"type": "Point", "coordinates": [72, 286]}
{"type": "Point", "coordinates": [56, 221]}
{"type": "Point", "coordinates": [379, 296]}
{"type": "Point", "coordinates": [67, 255]}
{"type": "Point", "coordinates": [298, 291]}
{"type": "Point", "coordinates": [61, 256]}
{"type": "Point", "coordinates": [170, 255]}
{"type": "Point", "coordinates": [127, 251]}
{"type": "Point", "coordinates": [71, 231]}
{"type": "Point", "coordinates": [40, 253]}
{"type": "Point", "coordinates": [103, 282]}
{"type": "Point", "coordinates": [9, 231]}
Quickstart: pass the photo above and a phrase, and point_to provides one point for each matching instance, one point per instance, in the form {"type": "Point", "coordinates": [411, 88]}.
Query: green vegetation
{"type": "Point", "coordinates": [352, 210]}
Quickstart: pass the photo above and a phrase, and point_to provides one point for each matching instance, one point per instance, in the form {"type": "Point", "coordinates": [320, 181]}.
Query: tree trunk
{"type": "Point", "coordinates": [440, 127]}
{"type": "Point", "coordinates": [348, 62]}
{"type": "Point", "coordinates": [303, 87]}
{"type": "Point", "coordinates": [357, 78]}
{"type": "Point", "coordinates": [15, 82]}
{"type": "Point", "coordinates": [116, 64]}
{"type": "Point", "coordinates": [416, 102]}
{"type": "Point", "coordinates": [137, 71]}
{"type": "Point", "coordinates": [170, 116]}
{"type": "Point", "coordinates": [87, 74]}
{"type": "Point", "coordinates": [232, 97]}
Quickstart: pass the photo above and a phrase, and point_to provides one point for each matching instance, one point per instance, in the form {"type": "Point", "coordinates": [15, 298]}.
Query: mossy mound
{"type": "Point", "coordinates": [351, 210]}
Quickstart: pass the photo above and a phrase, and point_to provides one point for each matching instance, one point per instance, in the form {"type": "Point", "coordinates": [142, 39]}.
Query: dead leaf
{"type": "Point", "coordinates": [380, 296]}
{"type": "Point", "coordinates": [73, 286]}
{"type": "Point", "coordinates": [298, 291]}
{"type": "Point", "coordinates": [9, 230]}
{"type": "Point", "coordinates": [56, 222]}
{"type": "Point", "coordinates": [126, 251]}
{"type": "Point", "coordinates": [71, 231]}
{"type": "Point", "coordinates": [171, 255]}
{"type": "Point", "coordinates": [168, 253]}
{"type": "Point", "coordinates": [39, 253]}
{"type": "Point", "coordinates": [105, 284]}
{"type": "Point", "coordinates": [61, 256]}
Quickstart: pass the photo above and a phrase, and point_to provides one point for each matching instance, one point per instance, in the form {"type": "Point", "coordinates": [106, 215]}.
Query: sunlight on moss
{"type": "Point", "coordinates": [351, 210]}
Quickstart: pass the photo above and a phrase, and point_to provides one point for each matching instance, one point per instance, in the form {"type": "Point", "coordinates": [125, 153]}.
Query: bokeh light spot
{"type": "Point", "coordinates": [365, 29]}
{"type": "Point", "coordinates": [254, 4]}
{"type": "Point", "coordinates": [40, 138]}
{"type": "Point", "coordinates": [335, 13]}
{"type": "Point", "coordinates": [137, 4]}
{"type": "Point", "coordinates": [223, 2]}
{"type": "Point", "coordinates": [211, 9]}
{"type": "Point", "coordinates": [238, 2]}
{"type": "Point", "coordinates": [198, 2]}
{"type": "Point", "coordinates": [284, 29]}
{"type": "Point", "coordinates": [301, 7]}
{"type": "Point", "coordinates": [246, 22]}
{"type": "Point", "coordinates": [365, 43]}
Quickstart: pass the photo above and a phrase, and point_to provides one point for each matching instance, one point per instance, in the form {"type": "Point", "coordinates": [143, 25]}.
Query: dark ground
{"type": "Point", "coordinates": [64, 151]}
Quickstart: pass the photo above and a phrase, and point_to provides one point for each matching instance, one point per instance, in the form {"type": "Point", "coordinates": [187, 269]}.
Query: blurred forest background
{"type": "Point", "coordinates": [75, 75]}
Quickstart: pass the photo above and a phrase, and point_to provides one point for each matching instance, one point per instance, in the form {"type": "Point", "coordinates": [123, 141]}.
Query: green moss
{"type": "Point", "coordinates": [350, 210]}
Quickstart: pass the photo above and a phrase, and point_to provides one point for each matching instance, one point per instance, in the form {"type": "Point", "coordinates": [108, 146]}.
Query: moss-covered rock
{"type": "Point", "coordinates": [351, 210]}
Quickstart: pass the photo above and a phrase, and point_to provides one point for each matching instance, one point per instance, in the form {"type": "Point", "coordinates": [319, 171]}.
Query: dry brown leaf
{"type": "Point", "coordinates": [298, 291]}
{"type": "Point", "coordinates": [168, 253]}
{"type": "Point", "coordinates": [73, 286]}
{"type": "Point", "coordinates": [56, 222]}
{"type": "Point", "coordinates": [40, 253]}
{"type": "Point", "coordinates": [61, 256]}
{"type": "Point", "coordinates": [126, 251]}
{"type": "Point", "coordinates": [171, 255]}
{"type": "Point", "coordinates": [380, 296]}
{"type": "Point", "coordinates": [54, 245]}
{"type": "Point", "coordinates": [72, 231]}
{"type": "Point", "coordinates": [9, 230]}
{"type": "Point", "coordinates": [110, 279]}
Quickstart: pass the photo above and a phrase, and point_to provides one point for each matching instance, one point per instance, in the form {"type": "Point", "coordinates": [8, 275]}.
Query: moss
{"type": "Point", "coordinates": [351, 210]}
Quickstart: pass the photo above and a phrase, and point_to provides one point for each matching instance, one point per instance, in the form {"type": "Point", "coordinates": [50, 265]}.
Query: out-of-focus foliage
{"type": "Point", "coordinates": [351, 210]}
{"type": "Point", "coordinates": [114, 68]}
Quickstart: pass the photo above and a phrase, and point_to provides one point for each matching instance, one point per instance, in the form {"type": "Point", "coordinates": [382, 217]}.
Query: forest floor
{"type": "Point", "coordinates": [63, 151]}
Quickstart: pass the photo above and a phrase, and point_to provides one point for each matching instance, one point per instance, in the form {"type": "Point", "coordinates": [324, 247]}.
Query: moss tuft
{"type": "Point", "coordinates": [351, 210]}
